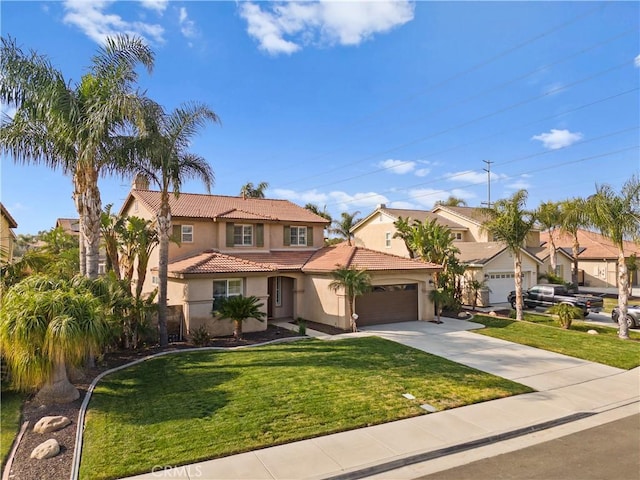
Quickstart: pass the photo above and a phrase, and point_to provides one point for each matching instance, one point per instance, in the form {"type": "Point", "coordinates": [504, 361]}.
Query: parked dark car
{"type": "Point", "coordinates": [633, 315]}
{"type": "Point", "coordinates": [551, 294]}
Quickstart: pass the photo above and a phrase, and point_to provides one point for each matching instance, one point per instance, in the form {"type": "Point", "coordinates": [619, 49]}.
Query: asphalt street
{"type": "Point", "coordinates": [607, 452]}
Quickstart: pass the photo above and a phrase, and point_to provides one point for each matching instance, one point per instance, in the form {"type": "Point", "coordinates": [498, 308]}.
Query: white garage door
{"type": "Point", "coordinates": [501, 284]}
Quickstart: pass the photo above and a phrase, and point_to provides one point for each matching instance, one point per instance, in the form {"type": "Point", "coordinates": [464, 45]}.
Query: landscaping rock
{"type": "Point", "coordinates": [464, 314]}
{"type": "Point", "coordinates": [47, 449]}
{"type": "Point", "coordinates": [51, 424]}
{"type": "Point", "coordinates": [493, 314]}
{"type": "Point", "coordinates": [592, 332]}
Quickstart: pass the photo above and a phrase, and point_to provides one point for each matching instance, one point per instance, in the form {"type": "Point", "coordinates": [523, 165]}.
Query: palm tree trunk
{"type": "Point", "coordinates": [576, 251]}
{"type": "Point", "coordinates": [517, 268]}
{"type": "Point", "coordinates": [623, 297]}
{"type": "Point", "coordinates": [89, 206]}
{"type": "Point", "coordinates": [164, 227]}
{"type": "Point", "coordinates": [354, 324]}
{"type": "Point", "coordinates": [237, 329]}
{"type": "Point", "coordinates": [59, 389]}
{"type": "Point", "coordinates": [553, 261]}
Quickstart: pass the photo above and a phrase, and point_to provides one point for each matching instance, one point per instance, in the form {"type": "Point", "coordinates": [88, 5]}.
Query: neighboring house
{"type": "Point", "coordinates": [272, 249]}
{"type": "Point", "coordinates": [484, 259]}
{"type": "Point", "coordinates": [7, 235]}
{"type": "Point", "coordinates": [598, 257]}
{"type": "Point", "coordinates": [69, 225]}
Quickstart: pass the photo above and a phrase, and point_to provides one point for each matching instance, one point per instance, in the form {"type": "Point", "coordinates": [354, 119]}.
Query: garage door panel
{"type": "Point", "coordinates": [501, 284]}
{"type": "Point", "coordinates": [388, 305]}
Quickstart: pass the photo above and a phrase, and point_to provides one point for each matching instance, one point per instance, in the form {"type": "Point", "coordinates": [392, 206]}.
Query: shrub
{"type": "Point", "coordinates": [302, 326]}
{"type": "Point", "coordinates": [200, 337]}
{"type": "Point", "coordinates": [565, 314]}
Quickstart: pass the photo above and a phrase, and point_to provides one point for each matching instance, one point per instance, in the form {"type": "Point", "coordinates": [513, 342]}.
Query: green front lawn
{"type": "Point", "coordinates": [611, 303]}
{"type": "Point", "coordinates": [10, 411]}
{"type": "Point", "coordinates": [189, 407]}
{"type": "Point", "coordinates": [542, 331]}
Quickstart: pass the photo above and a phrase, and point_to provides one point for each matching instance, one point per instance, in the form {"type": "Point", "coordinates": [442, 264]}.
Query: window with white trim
{"type": "Point", "coordinates": [458, 235]}
{"type": "Point", "coordinates": [231, 287]}
{"type": "Point", "coordinates": [243, 235]}
{"type": "Point", "coordinates": [186, 233]}
{"type": "Point", "coordinates": [298, 236]}
{"type": "Point", "coordinates": [155, 280]}
{"type": "Point", "coordinates": [387, 239]}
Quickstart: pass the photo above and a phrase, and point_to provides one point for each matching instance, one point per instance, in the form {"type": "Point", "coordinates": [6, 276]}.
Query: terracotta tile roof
{"type": "Point", "coordinates": [592, 245]}
{"type": "Point", "coordinates": [217, 206]}
{"type": "Point", "coordinates": [328, 258]}
{"type": "Point", "coordinates": [422, 215]}
{"type": "Point", "coordinates": [10, 220]}
{"type": "Point", "coordinates": [215, 262]}
{"type": "Point", "coordinates": [289, 260]}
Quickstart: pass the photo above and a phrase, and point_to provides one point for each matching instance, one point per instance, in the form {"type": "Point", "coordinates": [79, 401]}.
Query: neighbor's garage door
{"type": "Point", "coordinates": [501, 284]}
{"type": "Point", "coordinates": [387, 304]}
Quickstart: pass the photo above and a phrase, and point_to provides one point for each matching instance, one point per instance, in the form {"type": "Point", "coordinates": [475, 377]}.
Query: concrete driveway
{"type": "Point", "coordinates": [454, 339]}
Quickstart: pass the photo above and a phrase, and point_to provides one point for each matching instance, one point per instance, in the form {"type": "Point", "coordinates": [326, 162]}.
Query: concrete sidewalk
{"type": "Point", "coordinates": [568, 389]}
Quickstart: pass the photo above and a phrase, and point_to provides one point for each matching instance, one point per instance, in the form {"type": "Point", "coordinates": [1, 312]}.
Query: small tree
{"type": "Point", "coordinates": [354, 282]}
{"type": "Point", "coordinates": [238, 308]}
{"type": "Point", "coordinates": [565, 314]}
{"type": "Point", "coordinates": [474, 287]}
{"type": "Point", "coordinates": [441, 298]}
{"type": "Point", "coordinates": [343, 226]}
{"type": "Point", "coordinates": [249, 191]}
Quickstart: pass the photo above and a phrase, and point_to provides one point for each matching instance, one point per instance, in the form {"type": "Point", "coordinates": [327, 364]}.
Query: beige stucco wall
{"type": "Point", "coordinates": [323, 305]}
{"type": "Point", "coordinates": [504, 263]}
{"type": "Point", "coordinates": [599, 273]}
{"type": "Point", "coordinates": [7, 239]}
{"type": "Point", "coordinates": [372, 235]}
{"type": "Point", "coordinates": [563, 262]}
{"type": "Point", "coordinates": [474, 232]}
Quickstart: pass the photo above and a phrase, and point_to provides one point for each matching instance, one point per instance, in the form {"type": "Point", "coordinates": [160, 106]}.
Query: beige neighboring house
{"type": "Point", "coordinates": [273, 249]}
{"type": "Point", "coordinates": [7, 235]}
{"type": "Point", "coordinates": [69, 225]}
{"type": "Point", "coordinates": [598, 257]}
{"type": "Point", "coordinates": [483, 258]}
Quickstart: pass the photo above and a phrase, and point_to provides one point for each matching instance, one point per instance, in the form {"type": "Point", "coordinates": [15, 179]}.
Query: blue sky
{"type": "Point", "coordinates": [353, 104]}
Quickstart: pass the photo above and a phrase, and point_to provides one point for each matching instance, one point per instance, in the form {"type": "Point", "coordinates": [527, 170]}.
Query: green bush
{"type": "Point", "coordinates": [200, 337]}
{"type": "Point", "coordinates": [302, 326]}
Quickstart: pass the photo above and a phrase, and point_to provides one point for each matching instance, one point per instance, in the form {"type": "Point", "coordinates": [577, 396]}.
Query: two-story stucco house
{"type": "Point", "coordinates": [483, 258]}
{"type": "Point", "coordinates": [273, 249]}
{"type": "Point", "coordinates": [7, 235]}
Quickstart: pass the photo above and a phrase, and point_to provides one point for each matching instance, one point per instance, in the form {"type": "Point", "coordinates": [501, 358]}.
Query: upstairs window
{"type": "Point", "coordinates": [298, 236]}
{"type": "Point", "coordinates": [243, 235]}
{"type": "Point", "coordinates": [186, 234]}
{"type": "Point", "coordinates": [458, 235]}
{"type": "Point", "coordinates": [387, 239]}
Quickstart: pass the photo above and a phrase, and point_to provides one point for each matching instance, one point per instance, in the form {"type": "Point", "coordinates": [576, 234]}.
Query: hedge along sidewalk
{"type": "Point", "coordinates": [202, 405]}
{"type": "Point", "coordinates": [77, 451]}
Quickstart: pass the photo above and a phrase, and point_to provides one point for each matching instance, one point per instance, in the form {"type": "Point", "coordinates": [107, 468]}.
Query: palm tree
{"type": "Point", "coordinates": [617, 216]}
{"type": "Point", "coordinates": [343, 226]}
{"type": "Point", "coordinates": [110, 230]}
{"type": "Point", "coordinates": [566, 313]}
{"type": "Point", "coordinates": [452, 202]}
{"type": "Point", "coordinates": [164, 160]}
{"type": "Point", "coordinates": [249, 191]}
{"type": "Point", "coordinates": [137, 239]}
{"type": "Point", "coordinates": [509, 223]}
{"type": "Point", "coordinates": [239, 308]}
{"type": "Point", "coordinates": [45, 326]}
{"type": "Point", "coordinates": [441, 298]}
{"type": "Point", "coordinates": [77, 128]}
{"type": "Point", "coordinates": [353, 282]}
{"type": "Point", "coordinates": [405, 231]}
{"type": "Point", "coordinates": [548, 215]}
{"type": "Point", "coordinates": [572, 218]}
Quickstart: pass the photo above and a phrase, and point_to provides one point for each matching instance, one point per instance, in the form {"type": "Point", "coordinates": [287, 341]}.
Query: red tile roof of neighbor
{"type": "Point", "coordinates": [231, 208]}
{"type": "Point", "coordinates": [324, 260]}
{"type": "Point", "coordinates": [592, 245]}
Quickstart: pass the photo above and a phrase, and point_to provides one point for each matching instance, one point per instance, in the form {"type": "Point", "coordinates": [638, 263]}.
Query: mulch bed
{"type": "Point", "coordinates": [59, 467]}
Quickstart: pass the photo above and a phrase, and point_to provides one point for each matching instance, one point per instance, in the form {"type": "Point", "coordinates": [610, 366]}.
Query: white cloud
{"type": "Point", "coordinates": [422, 172]}
{"type": "Point", "coordinates": [363, 201]}
{"type": "Point", "coordinates": [472, 177]}
{"type": "Point", "coordinates": [92, 19]}
{"type": "Point", "coordinates": [520, 184]}
{"type": "Point", "coordinates": [556, 139]}
{"type": "Point", "coordinates": [187, 26]}
{"type": "Point", "coordinates": [324, 22]}
{"type": "Point", "coordinates": [397, 166]}
{"type": "Point", "coordinates": [636, 61]}
{"type": "Point", "coordinates": [311, 196]}
{"type": "Point", "coordinates": [158, 5]}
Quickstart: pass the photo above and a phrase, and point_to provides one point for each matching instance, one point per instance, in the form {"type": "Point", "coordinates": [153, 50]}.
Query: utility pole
{"type": "Point", "coordinates": [488, 170]}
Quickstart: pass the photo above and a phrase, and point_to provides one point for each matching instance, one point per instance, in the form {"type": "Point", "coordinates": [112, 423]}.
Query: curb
{"type": "Point", "coordinates": [6, 473]}
{"type": "Point", "coordinates": [462, 447]}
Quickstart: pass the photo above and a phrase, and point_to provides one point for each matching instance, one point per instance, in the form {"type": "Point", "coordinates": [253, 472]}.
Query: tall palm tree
{"type": "Point", "coordinates": [405, 231]}
{"type": "Point", "coordinates": [617, 216]}
{"type": "Point", "coordinates": [509, 223]}
{"type": "Point", "coordinates": [433, 242]}
{"type": "Point", "coordinates": [46, 325]}
{"type": "Point", "coordinates": [353, 282]}
{"type": "Point", "coordinates": [111, 226]}
{"type": "Point", "coordinates": [137, 239]}
{"type": "Point", "coordinates": [572, 219]}
{"type": "Point", "coordinates": [239, 308]}
{"type": "Point", "coordinates": [163, 159]}
{"type": "Point", "coordinates": [343, 227]}
{"type": "Point", "coordinates": [548, 215]}
{"type": "Point", "coordinates": [249, 191]}
{"type": "Point", "coordinates": [79, 128]}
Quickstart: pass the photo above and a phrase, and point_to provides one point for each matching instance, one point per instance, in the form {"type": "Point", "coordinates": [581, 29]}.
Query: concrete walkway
{"type": "Point", "coordinates": [568, 389]}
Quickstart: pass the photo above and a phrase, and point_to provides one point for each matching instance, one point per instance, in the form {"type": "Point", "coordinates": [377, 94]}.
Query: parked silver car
{"type": "Point", "coordinates": [633, 315]}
